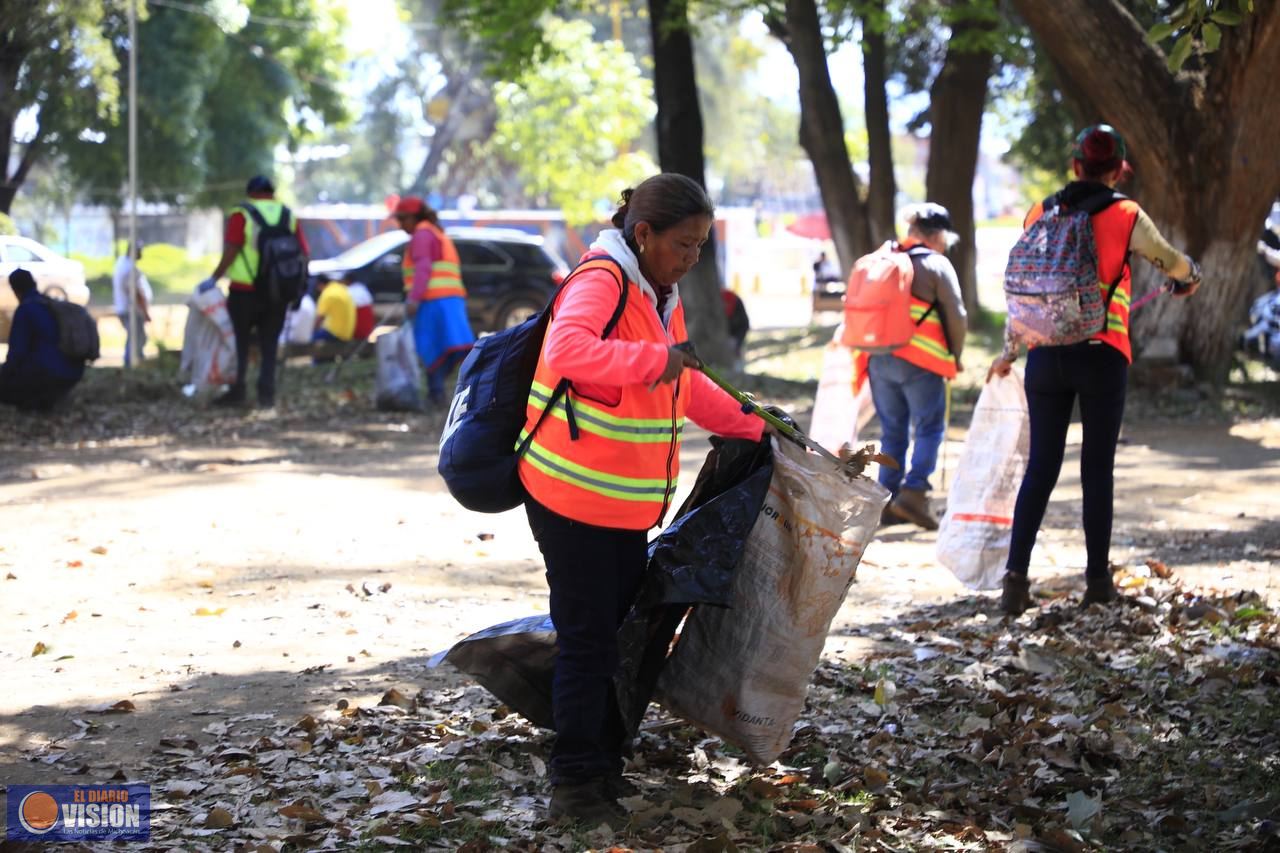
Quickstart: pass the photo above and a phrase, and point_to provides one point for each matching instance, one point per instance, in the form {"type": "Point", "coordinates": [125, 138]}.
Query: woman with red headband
{"type": "Point", "coordinates": [435, 298]}
{"type": "Point", "coordinates": [1095, 371]}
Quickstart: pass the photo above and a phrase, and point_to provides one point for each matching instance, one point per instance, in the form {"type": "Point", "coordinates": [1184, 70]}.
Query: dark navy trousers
{"type": "Point", "coordinates": [594, 574]}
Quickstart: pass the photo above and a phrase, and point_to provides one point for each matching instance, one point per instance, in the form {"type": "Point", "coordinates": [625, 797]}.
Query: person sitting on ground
{"type": "Point", "coordinates": [136, 337]}
{"type": "Point", "coordinates": [366, 320]}
{"type": "Point", "coordinates": [824, 270]}
{"type": "Point", "coordinates": [335, 313]}
{"type": "Point", "coordinates": [35, 374]}
{"type": "Point", "coordinates": [335, 321]}
{"type": "Point", "coordinates": [1096, 371]}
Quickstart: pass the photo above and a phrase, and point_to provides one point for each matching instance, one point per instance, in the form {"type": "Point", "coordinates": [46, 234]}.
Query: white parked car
{"type": "Point", "coordinates": [56, 276]}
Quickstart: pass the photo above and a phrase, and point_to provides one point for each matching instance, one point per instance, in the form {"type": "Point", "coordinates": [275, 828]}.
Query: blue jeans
{"type": "Point", "coordinates": [139, 329]}
{"type": "Point", "coordinates": [912, 405]}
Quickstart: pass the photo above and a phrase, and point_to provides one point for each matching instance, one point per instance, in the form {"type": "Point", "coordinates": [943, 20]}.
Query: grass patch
{"type": "Point", "coordinates": [170, 269]}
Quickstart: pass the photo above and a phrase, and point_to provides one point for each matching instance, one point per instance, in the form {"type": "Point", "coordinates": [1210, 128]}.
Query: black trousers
{"type": "Point", "coordinates": [1096, 374]}
{"type": "Point", "coordinates": [594, 574]}
{"type": "Point", "coordinates": [251, 314]}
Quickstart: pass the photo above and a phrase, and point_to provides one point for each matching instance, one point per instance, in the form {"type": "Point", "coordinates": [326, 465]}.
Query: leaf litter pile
{"type": "Point", "coordinates": [1147, 725]}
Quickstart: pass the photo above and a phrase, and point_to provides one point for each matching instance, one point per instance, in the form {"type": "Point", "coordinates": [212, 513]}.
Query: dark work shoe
{"type": "Point", "coordinates": [913, 505]}
{"type": "Point", "coordinates": [1015, 594]}
{"type": "Point", "coordinates": [587, 803]}
{"type": "Point", "coordinates": [1099, 589]}
{"type": "Point", "coordinates": [619, 787]}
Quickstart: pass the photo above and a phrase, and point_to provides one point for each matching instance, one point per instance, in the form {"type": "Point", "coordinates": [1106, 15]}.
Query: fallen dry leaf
{"type": "Point", "coordinates": [98, 549]}
{"type": "Point", "coordinates": [39, 649]}
{"type": "Point", "coordinates": [124, 706]}
{"type": "Point", "coordinates": [303, 811]}
{"type": "Point", "coordinates": [219, 818]}
{"type": "Point", "coordinates": [207, 611]}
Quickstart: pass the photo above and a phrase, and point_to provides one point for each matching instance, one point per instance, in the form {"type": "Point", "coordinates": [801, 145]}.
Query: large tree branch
{"type": "Point", "coordinates": [1086, 39]}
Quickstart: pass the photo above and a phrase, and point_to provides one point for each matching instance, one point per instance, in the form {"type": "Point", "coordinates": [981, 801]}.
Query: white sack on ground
{"type": "Point", "coordinates": [973, 538]}
{"type": "Point", "coordinates": [208, 342]}
{"type": "Point", "coordinates": [743, 672]}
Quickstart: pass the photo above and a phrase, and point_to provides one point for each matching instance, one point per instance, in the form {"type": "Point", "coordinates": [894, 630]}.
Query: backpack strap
{"type": "Point", "coordinates": [258, 220]}
{"type": "Point", "coordinates": [919, 251]}
{"type": "Point", "coordinates": [1094, 205]}
{"type": "Point", "coordinates": [562, 387]}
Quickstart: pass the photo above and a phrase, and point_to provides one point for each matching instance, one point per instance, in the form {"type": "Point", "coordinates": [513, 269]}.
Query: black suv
{"type": "Point", "coordinates": [509, 275]}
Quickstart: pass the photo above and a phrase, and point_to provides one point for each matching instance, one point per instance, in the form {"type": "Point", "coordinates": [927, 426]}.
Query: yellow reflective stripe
{"type": "Point", "coordinates": [932, 347]}
{"type": "Point", "coordinates": [540, 394]}
{"type": "Point", "coordinates": [918, 311]}
{"type": "Point", "coordinates": [1116, 324]}
{"type": "Point", "coordinates": [445, 267]}
{"type": "Point", "coordinates": [609, 485]}
{"type": "Point", "coordinates": [1118, 298]}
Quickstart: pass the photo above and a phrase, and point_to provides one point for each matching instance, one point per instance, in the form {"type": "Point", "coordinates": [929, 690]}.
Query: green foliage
{"type": "Point", "coordinates": [168, 268]}
{"type": "Point", "coordinates": [569, 123]}
{"type": "Point", "coordinates": [7, 226]}
{"type": "Point", "coordinates": [1197, 23]}
{"type": "Point", "coordinates": [213, 104]}
{"type": "Point", "coordinates": [56, 61]}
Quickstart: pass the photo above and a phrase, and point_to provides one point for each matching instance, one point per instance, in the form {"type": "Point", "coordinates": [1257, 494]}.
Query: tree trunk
{"type": "Point", "coordinates": [822, 131]}
{"type": "Point", "coordinates": [956, 103]}
{"type": "Point", "coordinates": [679, 126]}
{"type": "Point", "coordinates": [1205, 141]}
{"type": "Point", "coordinates": [883, 190]}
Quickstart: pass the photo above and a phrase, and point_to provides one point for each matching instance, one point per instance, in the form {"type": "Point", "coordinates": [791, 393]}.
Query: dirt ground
{"type": "Point", "coordinates": [202, 564]}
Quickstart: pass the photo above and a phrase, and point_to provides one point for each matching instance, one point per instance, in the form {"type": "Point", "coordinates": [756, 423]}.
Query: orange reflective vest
{"type": "Point", "coordinates": [928, 346]}
{"type": "Point", "coordinates": [609, 465]}
{"type": "Point", "coordinates": [1112, 230]}
{"type": "Point", "coordinates": [446, 272]}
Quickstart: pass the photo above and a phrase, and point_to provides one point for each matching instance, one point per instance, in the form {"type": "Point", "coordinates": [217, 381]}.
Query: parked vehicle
{"type": "Point", "coordinates": [56, 276]}
{"type": "Point", "coordinates": [509, 275]}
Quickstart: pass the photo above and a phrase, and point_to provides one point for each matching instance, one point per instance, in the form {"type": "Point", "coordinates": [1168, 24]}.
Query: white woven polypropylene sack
{"type": "Point", "coordinates": [208, 342]}
{"type": "Point", "coordinates": [839, 411]}
{"type": "Point", "coordinates": [743, 672]}
{"type": "Point", "coordinates": [973, 537]}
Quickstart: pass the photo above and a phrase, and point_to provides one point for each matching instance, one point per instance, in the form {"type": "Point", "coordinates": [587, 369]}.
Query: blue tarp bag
{"type": "Point", "coordinates": [481, 443]}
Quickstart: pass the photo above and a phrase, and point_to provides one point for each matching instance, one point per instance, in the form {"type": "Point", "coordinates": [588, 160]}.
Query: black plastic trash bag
{"type": "Point", "coordinates": [691, 562]}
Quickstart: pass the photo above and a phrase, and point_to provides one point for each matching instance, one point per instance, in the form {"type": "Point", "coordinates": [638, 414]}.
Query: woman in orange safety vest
{"type": "Point", "coordinates": [1095, 370]}
{"type": "Point", "coordinates": [435, 299]}
{"type": "Point", "coordinates": [601, 468]}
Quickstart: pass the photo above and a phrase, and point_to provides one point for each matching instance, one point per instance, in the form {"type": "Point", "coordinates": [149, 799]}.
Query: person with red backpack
{"type": "Point", "coordinates": [1084, 233]}
{"type": "Point", "coordinates": [904, 312]}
